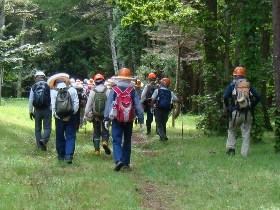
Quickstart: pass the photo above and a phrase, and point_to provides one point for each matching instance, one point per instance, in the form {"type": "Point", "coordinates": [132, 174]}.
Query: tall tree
{"type": "Point", "coordinates": [2, 24]}
{"type": "Point", "coordinates": [276, 58]}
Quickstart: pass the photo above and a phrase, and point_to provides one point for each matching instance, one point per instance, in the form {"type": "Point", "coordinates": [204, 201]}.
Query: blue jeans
{"type": "Point", "coordinates": [121, 134]}
{"type": "Point", "coordinates": [43, 117]}
{"type": "Point", "coordinates": [65, 137]}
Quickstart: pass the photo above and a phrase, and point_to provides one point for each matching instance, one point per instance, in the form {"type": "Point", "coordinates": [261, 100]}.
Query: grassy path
{"type": "Point", "coordinates": [189, 173]}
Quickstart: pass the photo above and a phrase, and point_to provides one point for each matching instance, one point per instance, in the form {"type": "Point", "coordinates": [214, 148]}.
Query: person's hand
{"type": "Point", "coordinates": [141, 127]}
{"type": "Point", "coordinates": [55, 115]}
{"type": "Point", "coordinates": [106, 125]}
{"type": "Point", "coordinates": [31, 115]}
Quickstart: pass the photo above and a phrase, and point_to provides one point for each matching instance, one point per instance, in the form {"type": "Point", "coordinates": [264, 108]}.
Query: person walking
{"type": "Point", "coordinates": [121, 106]}
{"type": "Point", "coordinates": [243, 99]}
{"type": "Point", "coordinates": [65, 104]}
{"type": "Point", "coordinates": [146, 99]}
{"type": "Point", "coordinates": [162, 100]}
{"type": "Point", "coordinates": [40, 110]}
{"type": "Point", "coordinates": [95, 107]}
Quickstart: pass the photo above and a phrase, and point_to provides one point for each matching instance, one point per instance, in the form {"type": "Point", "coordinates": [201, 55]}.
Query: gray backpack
{"type": "Point", "coordinates": [63, 103]}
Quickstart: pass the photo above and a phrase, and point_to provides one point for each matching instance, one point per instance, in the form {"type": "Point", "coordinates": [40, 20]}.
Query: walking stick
{"type": "Point", "coordinates": [182, 120]}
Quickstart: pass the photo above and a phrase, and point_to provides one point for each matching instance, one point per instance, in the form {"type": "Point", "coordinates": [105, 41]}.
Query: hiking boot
{"type": "Point", "coordinates": [97, 152]}
{"type": "Point", "coordinates": [127, 168]}
{"type": "Point", "coordinates": [106, 147]}
{"type": "Point", "coordinates": [230, 151]}
{"type": "Point", "coordinates": [118, 166]}
{"type": "Point", "coordinates": [69, 160]}
{"type": "Point", "coordinates": [43, 145]}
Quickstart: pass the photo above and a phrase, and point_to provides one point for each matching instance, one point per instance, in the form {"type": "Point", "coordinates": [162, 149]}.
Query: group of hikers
{"type": "Point", "coordinates": [118, 103]}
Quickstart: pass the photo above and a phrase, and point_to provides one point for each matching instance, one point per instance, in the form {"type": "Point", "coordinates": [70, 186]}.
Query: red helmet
{"type": "Point", "coordinates": [239, 71]}
{"type": "Point", "coordinates": [152, 76]}
{"type": "Point", "coordinates": [98, 76]}
{"type": "Point", "coordinates": [124, 72]}
{"type": "Point", "coordinates": [165, 81]}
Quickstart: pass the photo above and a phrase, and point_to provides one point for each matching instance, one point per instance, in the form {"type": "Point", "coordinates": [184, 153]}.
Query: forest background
{"type": "Point", "coordinates": [196, 43]}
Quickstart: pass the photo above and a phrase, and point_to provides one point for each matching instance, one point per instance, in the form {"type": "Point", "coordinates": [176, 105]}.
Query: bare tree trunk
{"type": "Point", "coordinates": [176, 111]}
{"type": "Point", "coordinates": [113, 46]}
{"type": "Point", "coordinates": [276, 59]}
{"type": "Point", "coordinates": [227, 44]}
{"type": "Point", "coordinates": [2, 24]}
{"type": "Point", "coordinates": [19, 81]}
{"type": "Point", "coordinates": [265, 49]}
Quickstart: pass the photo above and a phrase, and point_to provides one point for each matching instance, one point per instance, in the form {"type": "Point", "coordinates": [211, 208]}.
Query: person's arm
{"type": "Point", "coordinates": [154, 96]}
{"type": "Point", "coordinates": [143, 94]}
{"type": "Point", "coordinates": [89, 104]}
{"type": "Point", "coordinates": [227, 95]}
{"type": "Point", "coordinates": [138, 107]}
{"type": "Point", "coordinates": [30, 100]}
{"type": "Point", "coordinates": [75, 99]}
{"type": "Point", "coordinates": [108, 105]}
{"type": "Point", "coordinates": [256, 95]}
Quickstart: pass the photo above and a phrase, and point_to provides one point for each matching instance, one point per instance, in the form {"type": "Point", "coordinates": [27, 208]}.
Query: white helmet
{"type": "Point", "coordinates": [40, 73]}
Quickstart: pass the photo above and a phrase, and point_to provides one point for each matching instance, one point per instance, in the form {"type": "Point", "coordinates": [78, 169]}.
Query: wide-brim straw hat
{"type": "Point", "coordinates": [90, 82]}
{"type": "Point", "coordinates": [109, 83]}
{"type": "Point", "coordinates": [139, 84]}
{"type": "Point", "coordinates": [53, 78]}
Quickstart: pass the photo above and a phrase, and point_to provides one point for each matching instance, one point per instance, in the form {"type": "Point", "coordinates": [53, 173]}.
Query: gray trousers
{"type": "Point", "coordinates": [42, 117]}
{"type": "Point", "coordinates": [244, 121]}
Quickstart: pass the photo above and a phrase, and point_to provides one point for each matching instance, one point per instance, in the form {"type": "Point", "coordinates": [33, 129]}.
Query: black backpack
{"type": "Point", "coordinates": [164, 100]}
{"type": "Point", "coordinates": [42, 98]}
{"type": "Point", "coordinates": [63, 103]}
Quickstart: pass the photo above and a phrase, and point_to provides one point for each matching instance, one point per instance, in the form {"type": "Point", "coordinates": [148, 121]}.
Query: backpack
{"type": "Point", "coordinates": [42, 98]}
{"type": "Point", "coordinates": [164, 99]}
{"type": "Point", "coordinates": [63, 103]}
{"type": "Point", "coordinates": [99, 102]}
{"type": "Point", "coordinates": [123, 105]}
{"type": "Point", "coordinates": [242, 94]}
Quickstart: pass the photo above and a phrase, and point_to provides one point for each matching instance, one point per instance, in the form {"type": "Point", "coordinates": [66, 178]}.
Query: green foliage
{"type": "Point", "coordinates": [151, 12]}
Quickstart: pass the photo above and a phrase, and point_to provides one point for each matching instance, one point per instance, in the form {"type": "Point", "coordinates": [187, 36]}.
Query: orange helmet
{"type": "Point", "coordinates": [165, 81]}
{"type": "Point", "coordinates": [98, 76]}
{"type": "Point", "coordinates": [152, 76]}
{"type": "Point", "coordinates": [124, 72]}
{"type": "Point", "coordinates": [239, 71]}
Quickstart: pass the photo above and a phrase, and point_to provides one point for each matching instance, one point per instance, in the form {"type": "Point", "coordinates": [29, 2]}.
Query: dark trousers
{"type": "Point", "coordinates": [149, 120]}
{"type": "Point", "coordinates": [42, 117]}
{"type": "Point", "coordinates": [161, 120]}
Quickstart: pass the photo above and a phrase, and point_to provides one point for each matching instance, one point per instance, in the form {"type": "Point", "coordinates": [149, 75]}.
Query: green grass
{"type": "Point", "coordinates": [188, 173]}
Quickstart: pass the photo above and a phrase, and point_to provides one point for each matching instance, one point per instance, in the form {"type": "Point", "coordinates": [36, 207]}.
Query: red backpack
{"type": "Point", "coordinates": [124, 105]}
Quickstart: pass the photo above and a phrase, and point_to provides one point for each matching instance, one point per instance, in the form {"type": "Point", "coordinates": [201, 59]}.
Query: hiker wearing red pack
{"type": "Point", "coordinates": [121, 106]}
{"type": "Point", "coordinates": [40, 110]}
{"type": "Point", "coordinates": [243, 99]}
{"type": "Point", "coordinates": [94, 112]}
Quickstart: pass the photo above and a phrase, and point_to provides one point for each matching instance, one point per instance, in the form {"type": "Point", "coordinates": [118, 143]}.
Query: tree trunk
{"type": "Point", "coordinates": [113, 46]}
{"type": "Point", "coordinates": [2, 24]}
{"type": "Point", "coordinates": [19, 81]}
{"type": "Point", "coordinates": [176, 111]}
{"type": "Point", "coordinates": [276, 59]}
{"type": "Point", "coordinates": [265, 48]}
{"type": "Point", "coordinates": [227, 44]}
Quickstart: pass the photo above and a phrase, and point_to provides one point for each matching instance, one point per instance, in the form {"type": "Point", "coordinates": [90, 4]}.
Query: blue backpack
{"type": "Point", "coordinates": [42, 98]}
{"type": "Point", "coordinates": [164, 100]}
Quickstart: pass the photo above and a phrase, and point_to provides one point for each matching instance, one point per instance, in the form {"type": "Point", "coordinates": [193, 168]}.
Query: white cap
{"type": "Point", "coordinates": [40, 73]}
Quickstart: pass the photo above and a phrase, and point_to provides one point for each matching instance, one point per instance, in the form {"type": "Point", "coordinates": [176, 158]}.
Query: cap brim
{"type": "Point", "coordinates": [52, 79]}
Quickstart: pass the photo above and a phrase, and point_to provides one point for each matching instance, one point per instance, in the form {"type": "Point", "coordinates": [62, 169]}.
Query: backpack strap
{"type": "Point", "coordinates": [119, 91]}
{"type": "Point", "coordinates": [103, 91]}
